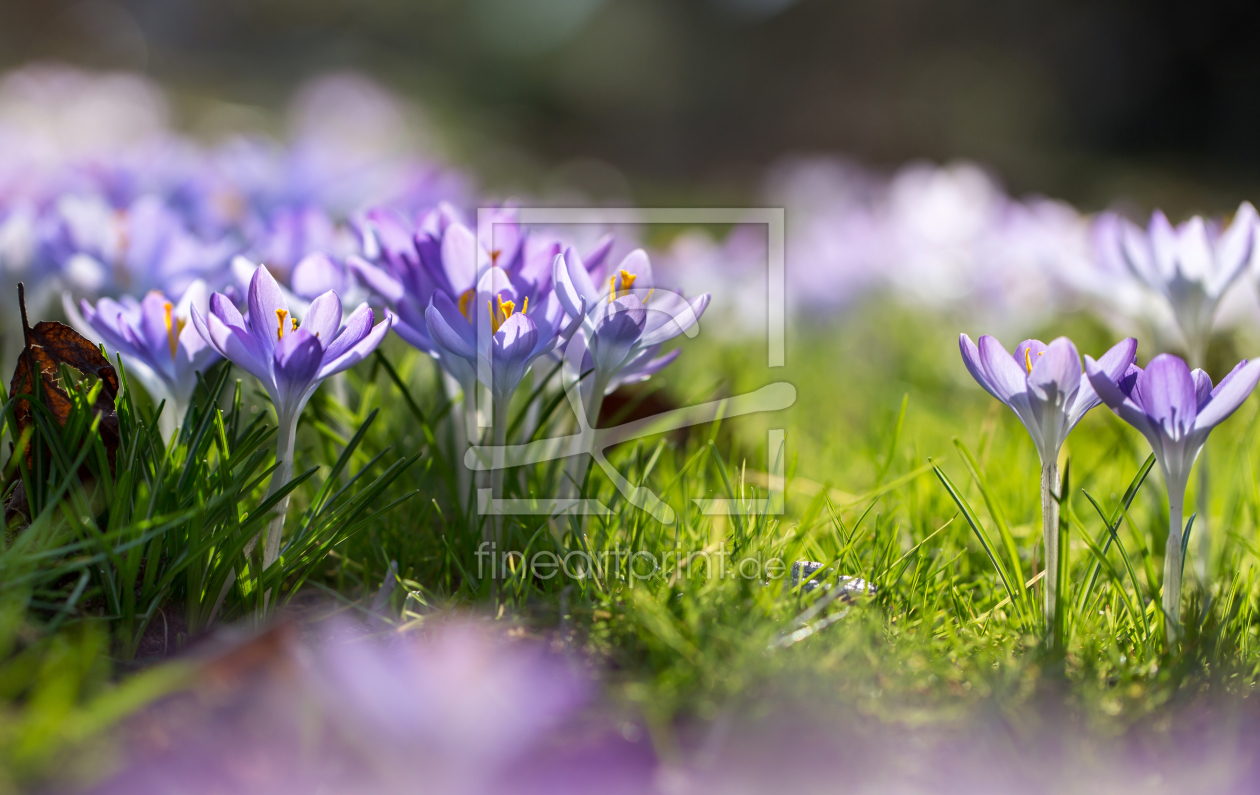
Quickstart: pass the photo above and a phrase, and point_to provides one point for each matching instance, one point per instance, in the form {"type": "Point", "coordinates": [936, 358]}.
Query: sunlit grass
{"type": "Point", "coordinates": [376, 526]}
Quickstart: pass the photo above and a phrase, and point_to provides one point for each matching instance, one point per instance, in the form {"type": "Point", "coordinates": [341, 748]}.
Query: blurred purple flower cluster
{"type": "Point", "coordinates": [950, 239]}
{"type": "Point", "coordinates": [101, 198]}
{"type": "Point", "coordinates": [457, 708]}
{"type": "Point", "coordinates": [141, 229]}
{"type": "Point", "coordinates": [137, 227]}
{"type": "Point", "coordinates": [461, 708]}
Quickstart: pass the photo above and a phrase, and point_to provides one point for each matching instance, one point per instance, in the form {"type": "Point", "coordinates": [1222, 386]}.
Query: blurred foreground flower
{"type": "Point", "coordinates": [1175, 409]}
{"type": "Point", "coordinates": [455, 708]}
{"type": "Point", "coordinates": [289, 358]}
{"type": "Point", "coordinates": [1046, 388]}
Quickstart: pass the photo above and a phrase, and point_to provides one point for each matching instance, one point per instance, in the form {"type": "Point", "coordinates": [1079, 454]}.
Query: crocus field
{"type": "Point", "coordinates": [325, 470]}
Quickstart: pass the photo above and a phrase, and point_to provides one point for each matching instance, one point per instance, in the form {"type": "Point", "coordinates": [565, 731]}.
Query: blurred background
{"type": "Point", "coordinates": [690, 101]}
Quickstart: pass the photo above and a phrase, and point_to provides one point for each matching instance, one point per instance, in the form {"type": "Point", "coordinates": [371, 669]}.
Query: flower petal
{"type": "Point", "coordinates": [359, 351]}
{"type": "Point", "coordinates": [664, 325]}
{"type": "Point", "coordinates": [1007, 378]}
{"type": "Point", "coordinates": [572, 281]}
{"type": "Point", "coordinates": [564, 283]}
{"type": "Point", "coordinates": [1234, 248]}
{"type": "Point", "coordinates": [266, 302]}
{"type": "Point", "coordinates": [195, 295]}
{"type": "Point", "coordinates": [1163, 246]}
{"type": "Point", "coordinates": [1114, 364]}
{"type": "Point", "coordinates": [597, 257]}
{"type": "Point", "coordinates": [1168, 394]}
{"type": "Point", "coordinates": [1056, 373]}
{"type": "Point", "coordinates": [414, 331]}
{"type": "Point", "coordinates": [644, 367]}
{"type": "Point", "coordinates": [514, 344]}
{"type": "Point", "coordinates": [376, 279]}
{"type": "Point", "coordinates": [1202, 386]}
{"type": "Point", "coordinates": [391, 231]}
{"type": "Point", "coordinates": [1193, 254]}
{"type": "Point", "coordinates": [1113, 395]}
{"type": "Point", "coordinates": [1135, 248]}
{"type": "Point", "coordinates": [1026, 353]}
{"type": "Point", "coordinates": [460, 257]}
{"type": "Point", "coordinates": [238, 347]}
{"type": "Point", "coordinates": [449, 329]}
{"type": "Point", "coordinates": [297, 358]}
{"type": "Point", "coordinates": [109, 320]}
{"type": "Point", "coordinates": [315, 275]}
{"type": "Point", "coordinates": [356, 327]}
{"type": "Point", "coordinates": [1229, 395]}
{"type": "Point", "coordinates": [323, 318]}
{"type": "Point", "coordinates": [971, 360]}
{"type": "Point", "coordinates": [617, 330]}
{"type": "Point", "coordinates": [637, 262]}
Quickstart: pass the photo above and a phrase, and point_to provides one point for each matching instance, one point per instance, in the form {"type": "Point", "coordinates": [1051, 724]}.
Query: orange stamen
{"type": "Point", "coordinates": [464, 300]}
{"type": "Point", "coordinates": [173, 328]}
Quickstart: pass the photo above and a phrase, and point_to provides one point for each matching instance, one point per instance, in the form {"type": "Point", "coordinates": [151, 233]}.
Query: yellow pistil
{"type": "Point", "coordinates": [281, 314]}
{"type": "Point", "coordinates": [1028, 358]}
{"type": "Point", "coordinates": [464, 300]}
{"type": "Point", "coordinates": [174, 327]}
{"type": "Point", "coordinates": [293, 321]}
{"type": "Point", "coordinates": [649, 295]}
{"type": "Point", "coordinates": [500, 314]}
{"type": "Point", "coordinates": [616, 290]}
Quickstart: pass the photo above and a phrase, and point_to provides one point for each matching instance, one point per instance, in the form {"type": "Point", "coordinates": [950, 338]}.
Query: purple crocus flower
{"type": "Point", "coordinates": [437, 271]}
{"type": "Point", "coordinates": [1175, 409]}
{"type": "Point", "coordinates": [1191, 265]}
{"type": "Point", "coordinates": [627, 318]}
{"type": "Point", "coordinates": [1043, 384]}
{"type": "Point", "coordinates": [287, 234]}
{"type": "Point", "coordinates": [512, 335]}
{"type": "Point", "coordinates": [315, 274]}
{"type": "Point", "coordinates": [621, 332]}
{"type": "Point", "coordinates": [410, 263]}
{"type": "Point", "coordinates": [318, 273]}
{"type": "Point", "coordinates": [161, 347]}
{"type": "Point", "coordinates": [144, 247]}
{"type": "Point", "coordinates": [289, 355]}
{"type": "Point", "coordinates": [1045, 387]}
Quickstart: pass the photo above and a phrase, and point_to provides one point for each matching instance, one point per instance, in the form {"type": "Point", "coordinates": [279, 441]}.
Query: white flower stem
{"type": "Point", "coordinates": [281, 475]}
{"type": "Point", "coordinates": [497, 458]}
{"type": "Point", "coordinates": [1198, 360]}
{"type": "Point", "coordinates": [1200, 523]}
{"type": "Point", "coordinates": [464, 425]}
{"type": "Point", "coordinates": [1172, 569]}
{"type": "Point", "coordinates": [580, 463]}
{"type": "Point", "coordinates": [279, 478]}
{"type": "Point", "coordinates": [492, 531]}
{"type": "Point", "coordinates": [1050, 537]}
